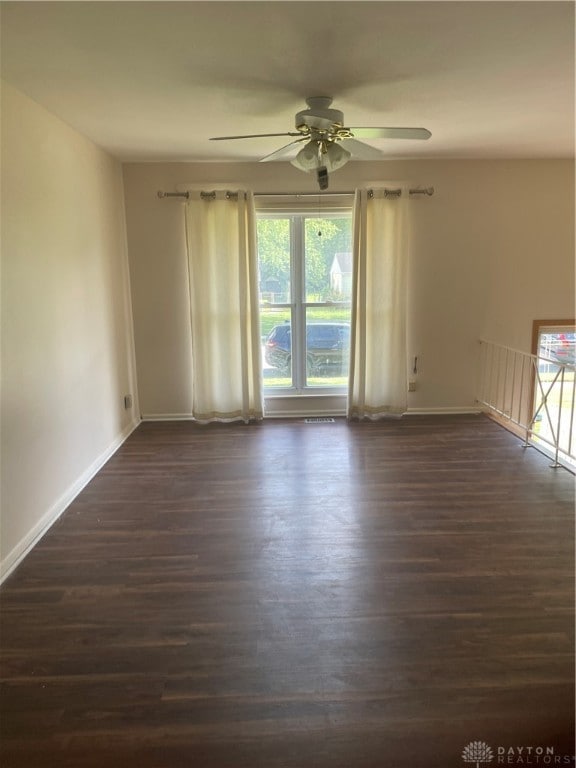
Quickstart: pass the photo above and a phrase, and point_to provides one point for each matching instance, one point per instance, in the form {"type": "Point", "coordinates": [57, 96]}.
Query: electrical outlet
{"type": "Point", "coordinates": [127, 402]}
{"type": "Point", "coordinates": [411, 386]}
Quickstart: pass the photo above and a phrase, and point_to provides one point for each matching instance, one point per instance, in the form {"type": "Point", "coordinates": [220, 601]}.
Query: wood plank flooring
{"type": "Point", "coordinates": [288, 595]}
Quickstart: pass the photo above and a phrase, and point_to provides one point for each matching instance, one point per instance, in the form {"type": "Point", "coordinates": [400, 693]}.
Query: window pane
{"type": "Point", "coordinates": [275, 289]}
{"type": "Point", "coordinates": [328, 259]}
{"type": "Point", "coordinates": [274, 260]}
{"type": "Point", "coordinates": [327, 346]}
{"type": "Point", "coordinates": [276, 347]}
{"type": "Point", "coordinates": [557, 345]}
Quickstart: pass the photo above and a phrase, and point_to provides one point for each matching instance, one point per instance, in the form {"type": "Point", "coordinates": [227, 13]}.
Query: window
{"type": "Point", "coordinates": [305, 263]}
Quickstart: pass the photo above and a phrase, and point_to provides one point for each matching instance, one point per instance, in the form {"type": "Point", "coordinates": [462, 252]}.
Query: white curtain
{"type": "Point", "coordinates": [224, 307]}
{"type": "Point", "coordinates": [378, 356]}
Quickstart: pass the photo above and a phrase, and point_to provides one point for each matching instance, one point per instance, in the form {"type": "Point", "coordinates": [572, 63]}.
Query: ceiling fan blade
{"type": "Point", "coordinates": [283, 152]}
{"type": "Point", "coordinates": [391, 133]}
{"type": "Point", "coordinates": [253, 136]}
{"type": "Point", "coordinates": [361, 151]}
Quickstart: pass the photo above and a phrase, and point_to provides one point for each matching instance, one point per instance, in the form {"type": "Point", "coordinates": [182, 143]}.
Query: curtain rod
{"type": "Point", "coordinates": [389, 192]}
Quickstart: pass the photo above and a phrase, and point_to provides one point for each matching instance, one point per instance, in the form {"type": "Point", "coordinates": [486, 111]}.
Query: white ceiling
{"type": "Point", "coordinates": [152, 81]}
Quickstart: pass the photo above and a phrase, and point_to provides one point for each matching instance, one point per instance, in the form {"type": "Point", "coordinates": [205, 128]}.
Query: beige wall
{"type": "Point", "coordinates": [493, 250]}
{"type": "Point", "coordinates": [67, 352]}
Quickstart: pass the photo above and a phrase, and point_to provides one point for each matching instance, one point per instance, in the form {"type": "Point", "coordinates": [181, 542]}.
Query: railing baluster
{"type": "Point", "coordinates": [482, 377]}
{"type": "Point", "coordinates": [533, 368]}
{"type": "Point", "coordinates": [556, 464]}
{"type": "Point", "coordinates": [505, 382]}
{"type": "Point", "coordinates": [571, 430]}
{"type": "Point", "coordinates": [522, 408]}
{"type": "Point", "coordinates": [513, 385]}
{"type": "Point", "coordinates": [491, 379]}
{"type": "Point", "coordinates": [498, 369]}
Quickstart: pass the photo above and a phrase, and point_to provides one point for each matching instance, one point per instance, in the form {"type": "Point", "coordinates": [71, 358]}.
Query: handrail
{"type": "Point", "coordinates": [513, 386]}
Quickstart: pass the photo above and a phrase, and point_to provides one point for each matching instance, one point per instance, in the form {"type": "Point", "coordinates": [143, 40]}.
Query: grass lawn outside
{"type": "Point", "coordinates": [275, 381]}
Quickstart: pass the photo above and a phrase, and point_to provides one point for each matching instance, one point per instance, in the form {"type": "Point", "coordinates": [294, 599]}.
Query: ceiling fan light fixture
{"type": "Point", "coordinates": [316, 154]}
{"type": "Point", "coordinates": [336, 156]}
{"type": "Point", "coordinates": [308, 159]}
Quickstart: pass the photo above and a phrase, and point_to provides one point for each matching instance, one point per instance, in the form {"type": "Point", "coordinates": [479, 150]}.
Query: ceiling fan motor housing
{"type": "Point", "coordinates": [319, 117]}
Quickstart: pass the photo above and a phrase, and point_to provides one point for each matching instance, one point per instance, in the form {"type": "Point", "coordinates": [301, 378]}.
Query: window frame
{"type": "Point", "coordinates": [298, 214]}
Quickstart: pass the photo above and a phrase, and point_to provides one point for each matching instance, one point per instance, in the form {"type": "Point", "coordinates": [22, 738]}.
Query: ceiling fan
{"type": "Point", "coordinates": [329, 144]}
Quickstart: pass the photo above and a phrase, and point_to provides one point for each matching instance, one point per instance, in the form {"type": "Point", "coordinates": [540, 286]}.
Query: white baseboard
{"type": "Point", "coordinates": [283, 413]}
{"type": "Point", "coordinates": [19, 552]}
{"type": "Point", "coordinates": [167, 417]}
{"type": "Point", "coordinates": [471, 409]}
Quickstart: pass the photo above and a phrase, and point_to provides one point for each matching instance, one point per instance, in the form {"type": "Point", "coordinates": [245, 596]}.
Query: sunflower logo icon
{"type": "Point", "coordinates": [477, 752]}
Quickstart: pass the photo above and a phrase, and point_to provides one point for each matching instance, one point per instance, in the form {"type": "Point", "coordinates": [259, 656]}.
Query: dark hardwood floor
{"type": "Point", "coordinates": [307, 596]}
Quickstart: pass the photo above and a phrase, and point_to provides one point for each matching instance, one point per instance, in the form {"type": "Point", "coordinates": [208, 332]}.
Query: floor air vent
{"type": "Point", "coordinates": [320, 420]}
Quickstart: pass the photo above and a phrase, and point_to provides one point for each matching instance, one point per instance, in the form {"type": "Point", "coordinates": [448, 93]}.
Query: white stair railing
{"type": "Point", "coordinates": [535, 395]}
